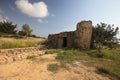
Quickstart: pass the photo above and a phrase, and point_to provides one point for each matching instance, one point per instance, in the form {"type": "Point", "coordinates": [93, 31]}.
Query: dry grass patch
{"type": "Point", "coordinates": [19, 43]}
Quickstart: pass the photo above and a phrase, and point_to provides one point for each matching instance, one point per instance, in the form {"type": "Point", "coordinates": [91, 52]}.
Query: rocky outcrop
{"type": "Point", "coordinates": [80, 38]}
{"type": "Point", "coordinates": [16, 54]}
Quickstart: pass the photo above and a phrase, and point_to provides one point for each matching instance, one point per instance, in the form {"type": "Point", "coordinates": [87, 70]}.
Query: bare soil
{"type": "Point", "coordinates": [37, 70]}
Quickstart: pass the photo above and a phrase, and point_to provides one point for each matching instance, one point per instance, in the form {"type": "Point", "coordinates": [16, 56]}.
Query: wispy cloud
{"type": "Point", "coordinates": [41, 21]}
{"type": "Point", "coordinates": [38, 9]}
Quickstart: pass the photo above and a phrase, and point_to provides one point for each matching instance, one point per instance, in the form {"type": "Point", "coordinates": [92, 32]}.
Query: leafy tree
{"type": "Point", "coordinates": [33, 35]}
{"type": "Point", "coordinates": [26, 31]}
{"type": "Point", "coordinates": [8, 27]}
{"type": "Point", "coordinates": [104, 34]}
{"type": "Point", "coordinates": [21, 33]}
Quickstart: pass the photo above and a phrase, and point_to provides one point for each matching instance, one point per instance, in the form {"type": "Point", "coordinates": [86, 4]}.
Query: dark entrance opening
{"type": "Point", "coordinates": [64, 41]}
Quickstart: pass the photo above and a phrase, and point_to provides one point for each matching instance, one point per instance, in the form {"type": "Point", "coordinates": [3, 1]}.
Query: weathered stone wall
{"type": "Point", "coordinates": [11, 55]}
{"type": "Point", "coordinates": [83, 34]}
{"type": "Point", "coordinates": [80, 38]}
{"type": "Point", "coordinates": [18, 50]}
{"type": "Point", "coordinates": [52, 40]}
{"type": "Point", "coordinates": [56, 40]}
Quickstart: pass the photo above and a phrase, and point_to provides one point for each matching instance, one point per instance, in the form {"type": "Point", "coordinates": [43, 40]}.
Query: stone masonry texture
{"type": "Point", "coordinates": [80, 38]}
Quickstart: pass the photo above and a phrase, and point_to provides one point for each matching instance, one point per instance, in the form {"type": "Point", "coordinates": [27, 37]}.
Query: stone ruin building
{"type": "Point", "coordinates": [80, 38]}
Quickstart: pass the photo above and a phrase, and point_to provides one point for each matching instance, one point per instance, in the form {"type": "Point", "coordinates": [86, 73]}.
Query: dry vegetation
{"type": "Point", "coordinates": [19, 43]}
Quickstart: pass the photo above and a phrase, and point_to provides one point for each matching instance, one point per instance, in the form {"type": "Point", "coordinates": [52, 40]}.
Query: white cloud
{"type": "Point", "coordinates": [41, 21]}
{"type": "Point", "coordinates": [38, 9]}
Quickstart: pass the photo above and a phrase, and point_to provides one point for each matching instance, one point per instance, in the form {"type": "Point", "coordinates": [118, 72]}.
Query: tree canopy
{"type": "Point", "coordinates": [26, 30]}
{"type": "Point", "coordinates": [104, 34]}
{"type": "Point", "coordinates": [8, 27]}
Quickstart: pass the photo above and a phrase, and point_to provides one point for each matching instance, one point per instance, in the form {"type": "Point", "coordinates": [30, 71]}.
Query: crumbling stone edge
{"type": "Point", "coordinates": [16, 54]}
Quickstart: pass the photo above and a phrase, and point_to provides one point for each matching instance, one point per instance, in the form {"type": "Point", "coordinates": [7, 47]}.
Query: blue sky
{"type": "Point", "coordinates": [54, 16]}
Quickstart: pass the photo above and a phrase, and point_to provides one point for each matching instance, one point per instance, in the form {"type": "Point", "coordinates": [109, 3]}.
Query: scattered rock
{"type": "Point", "coordinates": [17, 57]}
{"type": "Point", "coordinates": [16, 54]}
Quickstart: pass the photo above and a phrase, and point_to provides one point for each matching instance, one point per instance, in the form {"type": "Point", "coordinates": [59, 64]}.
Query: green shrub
{"type": "Point", "coordinates": [31, 57]}
{"type": "Point", "coordinates": [113, 54]}
{"type": "Point", "coordinates": [53, 67]}
{"type": "Point", "coordinates": [95, 53]}
{"type": "Point", "coordinates": [68, 56]}
{"type": "Point", "coordinates": [65, 56]}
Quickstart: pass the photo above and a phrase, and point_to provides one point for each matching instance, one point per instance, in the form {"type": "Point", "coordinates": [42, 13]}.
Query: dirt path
{"type": "Point", "coordinates": [37, 70]}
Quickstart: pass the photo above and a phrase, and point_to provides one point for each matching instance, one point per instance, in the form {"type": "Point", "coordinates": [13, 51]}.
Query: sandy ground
{"type": "Point", "coordinates": [37, 70]}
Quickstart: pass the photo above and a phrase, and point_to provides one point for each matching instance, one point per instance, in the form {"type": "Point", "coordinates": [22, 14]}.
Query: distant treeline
{"type": "Point", "coordinates": [9, 29]}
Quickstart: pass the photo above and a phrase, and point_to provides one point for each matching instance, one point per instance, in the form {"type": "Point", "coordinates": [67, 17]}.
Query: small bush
{"type": "Point", "coordinates": [53, 67]}
{"type": "Point", "coordinates": [68, 56]}
{"type": "Point", "coordinates": [100, 55]}
{"type": "Point", "coordinates": [95, 53]}
{"type": "Point", "coordinates": [31, 57]}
